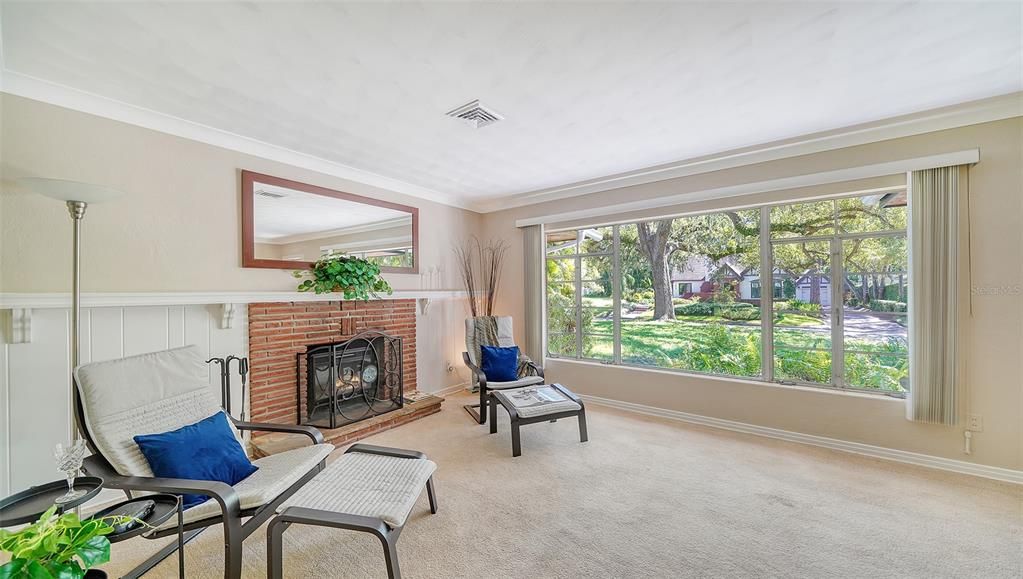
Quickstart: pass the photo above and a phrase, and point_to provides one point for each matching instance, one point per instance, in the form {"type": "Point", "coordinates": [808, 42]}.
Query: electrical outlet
{"type": "Point", "coordinates": [975, 423]}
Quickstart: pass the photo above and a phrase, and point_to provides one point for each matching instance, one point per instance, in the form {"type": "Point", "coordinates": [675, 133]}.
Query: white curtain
{"type": "Point", "coordinates": [935, 202]}
{"type": "Point", "coordinates": [533, 274]}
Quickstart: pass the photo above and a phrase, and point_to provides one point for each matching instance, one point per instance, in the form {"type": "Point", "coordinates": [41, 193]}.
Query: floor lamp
{"type": "Point", "coordinates": [78, 196]}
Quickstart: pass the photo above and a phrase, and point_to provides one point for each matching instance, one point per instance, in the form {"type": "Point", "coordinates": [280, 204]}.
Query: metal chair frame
{"type": "Point", "coordinates": [373, 525]}
{"type": "Point", "coordinates": [235, 531]}
{"type": "Point", "coordinates": [479, 411]}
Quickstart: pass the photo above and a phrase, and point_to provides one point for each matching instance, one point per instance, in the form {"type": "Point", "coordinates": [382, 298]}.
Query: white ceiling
{"type": "Point", "coordinates": [587, 89]}
{"type": "Point", "coordinates": [298, 213]}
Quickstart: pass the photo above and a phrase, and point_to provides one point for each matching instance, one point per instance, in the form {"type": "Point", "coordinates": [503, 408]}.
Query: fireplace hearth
{"type": "Point", "coordinates": [346, 382]}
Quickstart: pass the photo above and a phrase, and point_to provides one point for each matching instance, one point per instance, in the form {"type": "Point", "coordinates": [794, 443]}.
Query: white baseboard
{"type": "Point", "coordinates": [947, 464]}
{"type": "Point", "coordinates": [450, 390]}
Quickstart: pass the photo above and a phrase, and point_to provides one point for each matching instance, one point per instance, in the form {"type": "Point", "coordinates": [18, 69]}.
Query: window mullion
{"type": "Point", "coordinates": [578, 300]}
{"type": "Point", "coordinates": [766, 298]}
{"type": "Point", "coordinates": [616, 296]}
{"type": "Point", "coordinates": [837, 329]}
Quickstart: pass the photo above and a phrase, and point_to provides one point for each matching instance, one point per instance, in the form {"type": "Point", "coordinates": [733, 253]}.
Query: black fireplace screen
{"type": "Point", "coordinates": [352, 381]}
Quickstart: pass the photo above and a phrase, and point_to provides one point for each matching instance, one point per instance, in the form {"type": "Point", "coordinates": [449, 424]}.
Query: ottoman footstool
{"type": "Point", "coordinates": [370, 489]}
{"type": "Point", "coordinates": [537, 404]}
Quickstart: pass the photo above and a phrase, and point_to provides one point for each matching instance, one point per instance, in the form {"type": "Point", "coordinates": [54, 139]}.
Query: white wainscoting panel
{"type": "Point", "coordinates": [35, 377]}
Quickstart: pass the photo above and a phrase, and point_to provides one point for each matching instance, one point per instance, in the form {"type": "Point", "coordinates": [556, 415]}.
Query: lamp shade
{"type": "Point", "coordinates": [65, 190]}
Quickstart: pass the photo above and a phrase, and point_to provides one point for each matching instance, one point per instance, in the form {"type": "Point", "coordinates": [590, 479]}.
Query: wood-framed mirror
{"type": "Point", "coordinates": [289, 225]}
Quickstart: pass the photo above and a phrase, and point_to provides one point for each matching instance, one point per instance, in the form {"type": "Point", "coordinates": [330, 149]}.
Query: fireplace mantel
{"type": "Point", "coordinates": [22, 304]}
{"type": "Point", "coordinates": [11, 301]}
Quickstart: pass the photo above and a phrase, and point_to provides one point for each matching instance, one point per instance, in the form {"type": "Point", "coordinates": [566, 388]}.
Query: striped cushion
{"type": "Point", "coordinates": [527, 381]}
{"type": "Point", "coordinates": [545, 409]}
{"type": "Point", "coordinates": [364, 484]}
{"type": "Point", "coordinates": [145, 394]}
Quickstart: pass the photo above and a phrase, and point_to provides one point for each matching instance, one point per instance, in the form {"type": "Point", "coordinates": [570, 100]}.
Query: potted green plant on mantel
{"type": "Point", "coordinates": [57, 547]}
{"type": "Point", "coordinates": [353, 277]}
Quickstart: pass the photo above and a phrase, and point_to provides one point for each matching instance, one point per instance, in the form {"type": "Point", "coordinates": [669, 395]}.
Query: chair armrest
{"type": "Point", "coordinates": [571, 395]}
{"type": "Point", "coordinates": [537, 369]}
{"type": "Point", "coordinates": [223, 493]}
{"type": "Point", "coordinates": [315, 435]}
{"type": "Point", "coordinates": [385, 451]}
{"type": "Point", "coordinates": [481, 378]}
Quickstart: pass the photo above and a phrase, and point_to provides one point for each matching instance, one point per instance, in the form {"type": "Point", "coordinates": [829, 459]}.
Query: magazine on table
{"type": "Point", "coordinates": [535, 396]}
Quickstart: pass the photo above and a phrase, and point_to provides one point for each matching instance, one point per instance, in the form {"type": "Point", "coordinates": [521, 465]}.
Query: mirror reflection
{"type": "Point", "coordinates": [292, 225]}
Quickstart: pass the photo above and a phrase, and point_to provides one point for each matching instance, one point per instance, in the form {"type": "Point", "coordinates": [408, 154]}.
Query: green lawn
{"type": "Point", "coordinates": [733, 348]}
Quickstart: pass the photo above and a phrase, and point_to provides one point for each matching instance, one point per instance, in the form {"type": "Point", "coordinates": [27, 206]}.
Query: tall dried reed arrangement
{"type": "Point", "coordinates": [480, 265]}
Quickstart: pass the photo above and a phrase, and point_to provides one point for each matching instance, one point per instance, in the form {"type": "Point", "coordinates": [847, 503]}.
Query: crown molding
{"type": "Point", "coordinates": [29, 87]}
{"type": "Point", "coordinates": [964, 114]}
{"type": "Point", "coordinates": [961, 115]}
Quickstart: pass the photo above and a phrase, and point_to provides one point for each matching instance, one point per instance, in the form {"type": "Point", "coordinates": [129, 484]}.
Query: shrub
{"type": "Point", "coordinates": [740, 314]}
{"type": "Point", "coordinates": [723, 350]}
{"type": "Point", "coordinates": [646, 296]}
{"type": "Point", "coordinates": [887, 306]}
{"type": "Point", "coordinates": [734, 311]}
{"type": "Point", "coordinates": [807, 365]}
{"type": "Point", "coordinates": [804, 307]}
{"type": "Point", "coordinates": [723, 295]}
{"type": "Point", "coordinates": [879, 371]}
{"type": "Point", "coordinates": [695, 309]}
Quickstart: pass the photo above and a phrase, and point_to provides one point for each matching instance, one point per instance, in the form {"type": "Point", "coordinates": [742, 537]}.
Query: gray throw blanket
{"type": "Point", "coordinates": [485, 334]}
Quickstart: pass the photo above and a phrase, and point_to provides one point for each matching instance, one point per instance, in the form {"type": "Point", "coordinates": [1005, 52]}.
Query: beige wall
{"type": "Point", "coordinates": [993, 336]}
{"type": "Point", "coordinates": [177, 229]}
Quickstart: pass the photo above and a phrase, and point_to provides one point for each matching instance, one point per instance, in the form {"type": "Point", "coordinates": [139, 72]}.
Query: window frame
{"type": "Point", "coordinates": [577, 257]}
{"type": "Point", "coordinates": [766, 279]}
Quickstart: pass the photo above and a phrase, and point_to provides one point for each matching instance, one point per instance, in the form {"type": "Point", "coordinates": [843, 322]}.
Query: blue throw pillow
{"type": "Point", "coordinates": [500, 364]}
{"type": "Point", "coordinates": [206, 450]}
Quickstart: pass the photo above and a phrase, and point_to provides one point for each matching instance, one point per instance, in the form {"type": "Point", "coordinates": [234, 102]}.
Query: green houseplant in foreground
{"type": "Point", "coordinates": [354, 277]}
{"type": "Point", "coordinates": [56, 546]}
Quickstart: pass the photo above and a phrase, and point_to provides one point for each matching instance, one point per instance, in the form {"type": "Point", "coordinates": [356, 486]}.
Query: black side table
{"type": "Point", "coordinates": [28, 505]}
{"type": "Point", "coordinates": [166, 506]}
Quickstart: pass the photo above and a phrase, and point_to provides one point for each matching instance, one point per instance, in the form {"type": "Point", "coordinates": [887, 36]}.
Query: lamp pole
{"type": "Point", "coordinates": [77, 211]}
{"type": "Point", "coordinates": [77, 196]}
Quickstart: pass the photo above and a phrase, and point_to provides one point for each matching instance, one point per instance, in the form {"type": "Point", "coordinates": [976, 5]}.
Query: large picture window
{"type": "Point", "coordinates": [686, 293]}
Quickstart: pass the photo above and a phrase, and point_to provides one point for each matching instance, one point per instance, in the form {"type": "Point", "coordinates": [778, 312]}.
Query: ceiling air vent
{"type": "Point", "coordinates": [475, 114]}
{"type": "Point", "coordinates": [270, 194]}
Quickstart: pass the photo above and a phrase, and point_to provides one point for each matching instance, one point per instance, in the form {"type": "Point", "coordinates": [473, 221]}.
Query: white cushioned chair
{"type": "Point", "coordinates": [494, 331]}
{"type": "Point", "coordinates": [163, 391]}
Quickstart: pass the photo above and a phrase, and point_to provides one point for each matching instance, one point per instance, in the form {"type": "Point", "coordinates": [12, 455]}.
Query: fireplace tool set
{"type": "Point", "coordinates": [225, 380]}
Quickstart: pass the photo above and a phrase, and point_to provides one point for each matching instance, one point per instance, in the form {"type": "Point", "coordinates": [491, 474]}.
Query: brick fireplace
{"type": "Point", "coordinates": [280, 332]}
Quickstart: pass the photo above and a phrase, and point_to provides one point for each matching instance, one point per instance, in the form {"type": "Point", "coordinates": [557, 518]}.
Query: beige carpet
{"type": "Point", "coordinates": [654, 498]}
